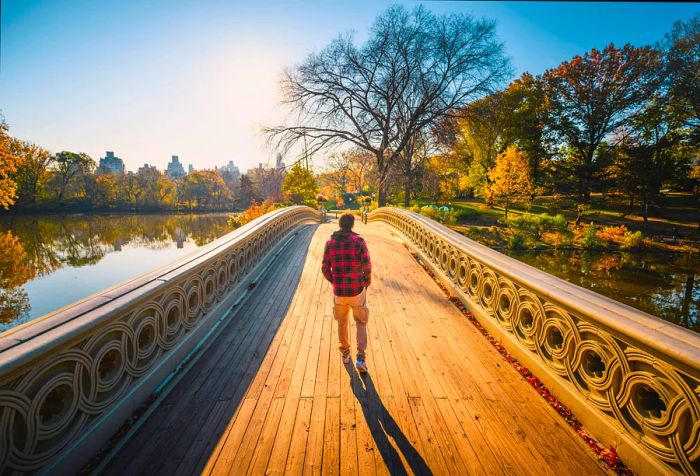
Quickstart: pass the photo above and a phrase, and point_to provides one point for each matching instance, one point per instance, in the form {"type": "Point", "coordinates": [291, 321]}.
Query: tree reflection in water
{"type": "Point", "coordinates": [36, 246]}
{"type": "Point", "coordinates": [661, 284]}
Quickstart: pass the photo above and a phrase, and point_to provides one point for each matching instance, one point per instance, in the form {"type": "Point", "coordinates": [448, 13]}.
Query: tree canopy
{"type": "Point", "coordinates": [415, 67]}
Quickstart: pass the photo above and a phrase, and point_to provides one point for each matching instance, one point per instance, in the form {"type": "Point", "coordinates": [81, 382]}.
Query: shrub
{"type": "Point", "coordinates": [430, 212]}
{"type": "Point", "coordinates": [612, 233]}
{"type": "Point", "coordinates": [536, 225]}
{"type": "Point", "coordinates": [517, 241]}
{"type": "Point", "coordinates": [589, 238]}
{"type": "Point", "coordinates": [632, 239]}
{"type": "Point", "coordinates": [256, 210]}
{"type": "Point", "coordinates": [464, 214]}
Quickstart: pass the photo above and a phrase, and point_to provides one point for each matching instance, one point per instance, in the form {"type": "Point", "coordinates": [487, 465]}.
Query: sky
{"type": "Point", "coordinates": [198, 79]}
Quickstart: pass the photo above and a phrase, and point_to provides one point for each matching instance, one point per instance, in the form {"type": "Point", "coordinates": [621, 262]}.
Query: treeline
{"type": "Point", "coordinates": [35, 179]}
{"type": "Point", "coordinates": [621, 120]}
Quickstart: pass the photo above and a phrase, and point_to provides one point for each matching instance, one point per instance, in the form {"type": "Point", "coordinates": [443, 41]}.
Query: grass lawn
{"type": "Point", "coordinates": [674, 216]}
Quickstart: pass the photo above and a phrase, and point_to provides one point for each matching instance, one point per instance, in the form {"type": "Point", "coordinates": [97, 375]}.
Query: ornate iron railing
{"type": "Point", "coordinates": [632, 378]}
{"type": "Point", "coordinates": [70, 379]}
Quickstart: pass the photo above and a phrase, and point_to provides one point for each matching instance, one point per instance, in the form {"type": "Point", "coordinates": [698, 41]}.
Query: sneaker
{"type": "Point", "coordinates": [361, 366]}
{"type": "Point", "coordinates": [346, 359]}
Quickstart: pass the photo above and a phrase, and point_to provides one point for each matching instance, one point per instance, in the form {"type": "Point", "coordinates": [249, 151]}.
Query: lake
{"type": "Point", "coordinates": [666, 285]}
{"type": "Point", "coordinates": [48, 262]}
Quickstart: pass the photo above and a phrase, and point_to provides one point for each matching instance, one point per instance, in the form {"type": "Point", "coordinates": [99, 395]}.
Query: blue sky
{"type": "Point", "coordinates": [198, 78]}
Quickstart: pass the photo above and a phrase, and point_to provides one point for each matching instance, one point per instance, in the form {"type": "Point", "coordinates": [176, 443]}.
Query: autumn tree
{"type": "Point", "coordinates": [300, 184]}
{"type": "Point", "coordinates": [150, 192]}
{"type": "Point", "coordinates": [32, 171]}
{"type": "Point", "coordinates": [415, 67]}
{"type": "Point", "coordinates": [203, 189]}
{"type": "Point", "coordinates": [444, 178]}
{"type": "Point", "coordinates": [104, 192]}
{"type": "Point", "coordinates": [8, 165]}
{"type": "Point", "coordinates": [526, 121]}
{"type": "Point", "coordinates": [510, 179]}
{"type": "Point", "coordinates": [592, 95]}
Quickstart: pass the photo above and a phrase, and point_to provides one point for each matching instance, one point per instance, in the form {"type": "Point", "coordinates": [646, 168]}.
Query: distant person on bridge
{"type": "Point", "coordinates": [347, 266]}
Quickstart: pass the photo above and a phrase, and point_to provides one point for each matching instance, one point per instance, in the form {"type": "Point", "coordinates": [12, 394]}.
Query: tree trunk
{"type": "Point", "coordinates": [381, 195]}
{"type": "Point", "coordinates": [407, 195]}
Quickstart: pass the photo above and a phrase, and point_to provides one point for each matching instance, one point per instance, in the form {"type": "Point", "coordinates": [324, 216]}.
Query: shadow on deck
{"type": "Point", "coordinates": [270, 394]}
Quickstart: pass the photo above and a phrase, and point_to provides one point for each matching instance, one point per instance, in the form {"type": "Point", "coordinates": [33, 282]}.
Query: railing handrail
{"type": "Point", "coordinates": [57, 322]}
{"type": "Point", "coordinates": [630, 377]}
{"type": "Point", "coordinates": [100, 358]}
{"type": "Point", "coordinates": [676, 342]}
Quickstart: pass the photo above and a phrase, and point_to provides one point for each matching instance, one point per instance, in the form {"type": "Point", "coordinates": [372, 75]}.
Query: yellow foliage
{"type": "Point", "coordinates": [510, 179]}
{"type": "Point", "coordinates": [8, 165]}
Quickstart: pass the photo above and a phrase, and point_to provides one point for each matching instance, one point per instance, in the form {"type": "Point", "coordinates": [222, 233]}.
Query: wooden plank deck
{"type": "Point", "coordinates": [271, 395]}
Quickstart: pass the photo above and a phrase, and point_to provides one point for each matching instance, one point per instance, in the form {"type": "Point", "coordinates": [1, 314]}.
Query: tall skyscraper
{"type": "Point", "coordinates": [175, 169]}
{"type": "Point", "coordinates": [110, 164]}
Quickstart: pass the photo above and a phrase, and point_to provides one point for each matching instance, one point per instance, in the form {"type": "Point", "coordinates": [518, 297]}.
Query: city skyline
{"type": "Point", "coordinates": [202, 79]}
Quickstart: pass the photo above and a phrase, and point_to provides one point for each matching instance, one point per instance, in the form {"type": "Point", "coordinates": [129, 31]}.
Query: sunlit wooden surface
{"type": "Point", "coordinates": [272, 395]}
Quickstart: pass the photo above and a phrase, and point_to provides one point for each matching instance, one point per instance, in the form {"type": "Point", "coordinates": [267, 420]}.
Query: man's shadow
{"type": "Point", "coordinates": [381, 424]}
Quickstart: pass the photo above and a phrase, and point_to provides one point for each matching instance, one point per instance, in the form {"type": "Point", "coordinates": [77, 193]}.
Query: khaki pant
{"type": "Point", "coordinates": [360, 313]}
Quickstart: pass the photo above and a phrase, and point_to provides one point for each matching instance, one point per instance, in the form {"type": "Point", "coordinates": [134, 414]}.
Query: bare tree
{"type": "Point", "coordinates": [412, 159]}
{"type": "Point", "coordinates": [416, 67]}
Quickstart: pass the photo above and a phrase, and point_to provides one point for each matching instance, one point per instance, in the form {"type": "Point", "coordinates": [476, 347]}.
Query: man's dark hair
{"type": "Point", "coordinates": [346, 221]}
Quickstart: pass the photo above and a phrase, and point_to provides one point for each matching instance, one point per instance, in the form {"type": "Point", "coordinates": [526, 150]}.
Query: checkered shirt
{"type": "Point", "coordinates": [346, 263]}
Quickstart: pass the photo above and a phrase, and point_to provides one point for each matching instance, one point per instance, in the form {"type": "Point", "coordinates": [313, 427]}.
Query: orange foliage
{"type": "Point", "coordinates": [256, 210]}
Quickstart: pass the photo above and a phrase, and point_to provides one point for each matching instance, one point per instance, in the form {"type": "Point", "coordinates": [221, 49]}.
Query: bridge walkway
{"type": "Point", "coordinates": [270, 394]}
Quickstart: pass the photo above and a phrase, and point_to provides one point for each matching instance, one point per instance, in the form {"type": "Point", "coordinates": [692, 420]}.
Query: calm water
{"type": "Point", "coordinates": [664, 285]}
{"type": "Point", "coordinates": [47, 262]}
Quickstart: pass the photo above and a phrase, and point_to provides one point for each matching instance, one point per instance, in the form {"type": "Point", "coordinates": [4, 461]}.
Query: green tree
{"type": "Point", "coordinates": [682, 56]}
{"type": "Point", "coordinates": [65, 167]}
{"type": "Point", "coordinates": [300, 184]}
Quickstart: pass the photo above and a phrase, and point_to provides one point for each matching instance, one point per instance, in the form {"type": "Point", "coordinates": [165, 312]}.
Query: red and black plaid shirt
{"type": "Point", "coordinates": [346, 263]}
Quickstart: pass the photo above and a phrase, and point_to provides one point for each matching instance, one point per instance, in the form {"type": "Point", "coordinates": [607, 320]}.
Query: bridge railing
{"type": "Point", "coordinates": [631, 378]}
{"type": "Point", "coordinates": [68, 380]}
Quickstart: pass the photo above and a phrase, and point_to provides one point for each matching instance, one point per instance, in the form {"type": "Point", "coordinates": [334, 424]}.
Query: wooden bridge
{"type": "Point", "coordinates": [260, 387]}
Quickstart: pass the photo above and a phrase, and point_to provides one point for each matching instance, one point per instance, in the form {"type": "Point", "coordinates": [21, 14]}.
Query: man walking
{"type": "Point", "coordinates": [347, 266]}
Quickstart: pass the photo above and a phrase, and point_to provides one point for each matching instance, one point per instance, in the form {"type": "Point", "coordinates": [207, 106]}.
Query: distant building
{"type": "Point", "coordinates": [278, 163]}
{"type": "Point", "coordinates": [190, 169]}
{"type": "Point", "coordinates": [175, 169]}
{"type": "Point", "coordinates": [111, 164]}
{"type": "Point", "coordinates": [147, 167]}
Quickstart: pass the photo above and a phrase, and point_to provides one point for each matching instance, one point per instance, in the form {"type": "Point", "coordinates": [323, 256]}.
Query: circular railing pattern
{"type": "Point", "coordinates": [50, 401]}
{"type": "Point", "coordinates": [651, 400]}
